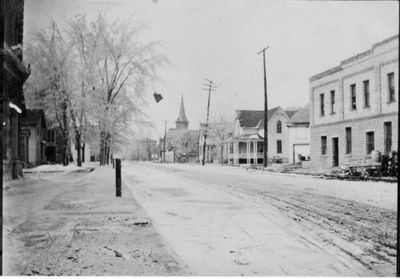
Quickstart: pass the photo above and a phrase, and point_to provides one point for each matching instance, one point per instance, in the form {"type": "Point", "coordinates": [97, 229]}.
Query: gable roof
{"type": "Point", "coordinates": [255, 118]}
{"type": "Point", "coordinates": [252, 118]}
{"type": "Point", "coordinates": [301, 117]}
{"type": "Point", "coordinates": [290, 113]}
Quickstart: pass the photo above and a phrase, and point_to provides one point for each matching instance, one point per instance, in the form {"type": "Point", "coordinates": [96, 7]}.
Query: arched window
{"type": "Point", "coordinates": [279, 127]}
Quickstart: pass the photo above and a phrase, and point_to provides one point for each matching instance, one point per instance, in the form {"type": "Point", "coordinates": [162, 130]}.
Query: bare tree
{"type": "Point", "coordinates": [220, 131]}
{"type": "Point", "coordinates": [118, 63]}
{"type": "Point", "coordinates": [52, 79]}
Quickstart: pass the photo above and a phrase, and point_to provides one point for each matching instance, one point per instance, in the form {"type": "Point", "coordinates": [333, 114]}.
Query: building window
{"type": "Point", "coordinates": [332, 101]}
{"type": "Point", "coordinates": [321, 103]}
{"type": "Point", "coordinates": [323, 145]}
{"type": "Point", "coordinates": [279, 127]}
{"type": "Point", "coordinates": [51, 136]}
{"type": "Point", "coordinates": [231, 148]}
{"type": "Point", "coordinates": [348, 140]}
{"type": "Point", "coordinates": [387, 136]}
{"type": "Point", "coordinates": [353, 97]}
{"type": "Point", "coordinates": [370, 142]}
{"type": "Point", "coordinates": [251, 147]}
{"type": "Point", "coordinates": [366, 93]}
{"type": "Point", "coordinates": [391, 90]}
{"type": "Point", "coordinates": [260, 147]}
{"type": "Point", "coordinates": [278, 146]}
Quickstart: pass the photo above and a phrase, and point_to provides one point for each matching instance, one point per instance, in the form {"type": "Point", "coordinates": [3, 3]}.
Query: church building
{"type": "Point", "coordinates": [181, 143]}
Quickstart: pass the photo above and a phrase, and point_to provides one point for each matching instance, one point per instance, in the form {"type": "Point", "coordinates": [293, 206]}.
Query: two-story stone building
{"type": "Point", "coordinates": [354, 108]}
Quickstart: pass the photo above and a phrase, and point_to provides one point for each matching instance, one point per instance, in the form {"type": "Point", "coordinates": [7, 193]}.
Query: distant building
{"type": "Point", "coordinates": [354, 107]}
{"type": "Point", "coordinates": [299, 136]}
{"type": "Point", "coordinates": [34, 137]}
{"type": "Point", "coordinates": [247, 144]}
{"type": "Point", "coordinates": [144, 149]}
{"type": "Point", "coordinates": [14, 74]}
{"type": "Point", "coordinates": [180, 141]}
{"type": "Point", "coordinates": [55, 145]}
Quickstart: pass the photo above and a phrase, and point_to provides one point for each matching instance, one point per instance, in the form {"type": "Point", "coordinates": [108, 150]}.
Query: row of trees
{"type": "Point", "coordinates": [93, 73]}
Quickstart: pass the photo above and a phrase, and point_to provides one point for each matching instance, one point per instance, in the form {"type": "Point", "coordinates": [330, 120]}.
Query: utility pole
{"type": "Point", "coordinates": [165, 138]}
{"type": "Point", "coordinates": [210, 86]}
{"type": "Point", "coordinates": [265, 111]}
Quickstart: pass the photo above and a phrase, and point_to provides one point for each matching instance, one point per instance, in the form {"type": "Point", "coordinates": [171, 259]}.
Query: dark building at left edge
{"type": "Point", "coordinates": [14, 73]}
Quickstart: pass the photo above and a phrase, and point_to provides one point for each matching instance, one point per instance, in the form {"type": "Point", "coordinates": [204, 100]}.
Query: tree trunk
{"type": "Point", "coordinates": [65, 134]}
{"type": "Point", "coordinates": [78, 148]}
{"type": "Point", "coordinates": [83, 152]}
{"type": "Point", "coordinates": [65, 153]}
{"type": "Point", "coordinates": [222, 153]}
{"type": "Point", "coordinates": [102, 148]}
{"type": "Point", "coordinates": [108, 154]}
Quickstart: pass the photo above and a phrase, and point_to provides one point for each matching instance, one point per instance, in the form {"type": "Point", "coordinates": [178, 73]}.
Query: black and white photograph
{"type": "Point", "coordinates": [199, 138]}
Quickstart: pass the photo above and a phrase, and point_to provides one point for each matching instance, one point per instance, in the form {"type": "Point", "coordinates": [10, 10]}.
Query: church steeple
{"type": "Point", "coordinates": [182, 123]}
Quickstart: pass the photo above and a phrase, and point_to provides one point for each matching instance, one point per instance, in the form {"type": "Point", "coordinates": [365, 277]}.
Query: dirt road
{"type": "Point", "coordinates": [229, 221]}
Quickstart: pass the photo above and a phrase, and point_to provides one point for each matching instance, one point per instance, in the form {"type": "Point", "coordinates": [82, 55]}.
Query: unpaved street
{"type": "Point", "coordinates": [231, 221]}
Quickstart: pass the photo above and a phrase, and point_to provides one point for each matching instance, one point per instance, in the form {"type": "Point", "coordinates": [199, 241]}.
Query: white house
{"type": "Point", "coordinates": [299, 136]}
{"type": "Point", "coordinates": [246, 145]}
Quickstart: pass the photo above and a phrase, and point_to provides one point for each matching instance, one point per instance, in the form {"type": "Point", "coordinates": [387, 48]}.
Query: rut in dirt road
{"type": "Point", "coordinates": [355, 230]}
{"type": "Point", "coordinates": [364, 232]}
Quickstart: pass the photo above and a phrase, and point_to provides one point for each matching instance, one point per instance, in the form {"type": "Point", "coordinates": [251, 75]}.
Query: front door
{"type": "Point", "coordinates": [335, 151]}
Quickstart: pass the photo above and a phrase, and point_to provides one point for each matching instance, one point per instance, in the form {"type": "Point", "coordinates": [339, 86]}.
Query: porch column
{"type": "Point", "coordinates": [248, 151]}
{"type": "Point", "coordinates": [236, 150]}
{"type": "Point", "coordinates": [254, 143]}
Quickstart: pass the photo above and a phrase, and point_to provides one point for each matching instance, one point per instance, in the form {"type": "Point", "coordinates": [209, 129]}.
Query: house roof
{"type": "Point", "coordinates": [301, 117]}
{"type": "Point", "coordinates": [290, 113]}
{"type": "Point", "coordinates": [254, 118]}
{"type": "Point", "coordinates": [32, 117]}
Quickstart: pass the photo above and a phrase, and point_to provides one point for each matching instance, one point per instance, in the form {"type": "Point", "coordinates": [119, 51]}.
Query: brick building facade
{"type": "Point", "coordinates": [14, 74]}
{"type": "Point", "coordinates": [354, 108]}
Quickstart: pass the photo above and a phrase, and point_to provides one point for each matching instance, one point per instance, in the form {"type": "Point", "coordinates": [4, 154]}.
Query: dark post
{"type": "Point", "coordinates": [165, 139]}
{"type": "Point", "coordinates": [118, 177]}
{"type": "Point", "coordinates": [209, 87]}
{"type": "Point", "coordinates": [265, 112]}
{"type": "Point", "coordinates": [398, 214]}
{"type": "Point", "coordinates": [206, 126]}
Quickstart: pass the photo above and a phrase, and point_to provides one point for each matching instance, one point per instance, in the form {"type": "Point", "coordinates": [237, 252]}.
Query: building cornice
{"type": "Point", "coordinates": [353, 59]}
{"type": "Point", "coordinates": [355, 120]}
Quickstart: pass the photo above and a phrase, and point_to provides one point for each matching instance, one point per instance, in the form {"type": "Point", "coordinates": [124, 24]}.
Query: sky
{"type": "Point", "coordinates": [219, 40]}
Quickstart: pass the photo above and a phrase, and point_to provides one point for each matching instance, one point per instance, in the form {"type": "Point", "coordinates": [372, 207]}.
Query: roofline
{"type": "Point", "coordinates": [352, 59]}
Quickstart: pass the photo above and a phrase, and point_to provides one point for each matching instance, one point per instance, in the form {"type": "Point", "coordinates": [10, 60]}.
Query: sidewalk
{"type": "Point", "coordinates": [72, 224]}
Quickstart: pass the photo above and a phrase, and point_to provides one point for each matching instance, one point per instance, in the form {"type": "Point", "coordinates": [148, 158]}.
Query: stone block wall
{"type": "Point", "coordinates": [359, 129]}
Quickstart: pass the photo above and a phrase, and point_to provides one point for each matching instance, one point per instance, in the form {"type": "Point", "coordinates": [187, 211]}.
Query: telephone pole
{"type": "Point", "coordinates": [209, 86]}
{"type": "Point", "coordinates": [165, 138]}
{"type": "Point", "coordinates": [265, 111]}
